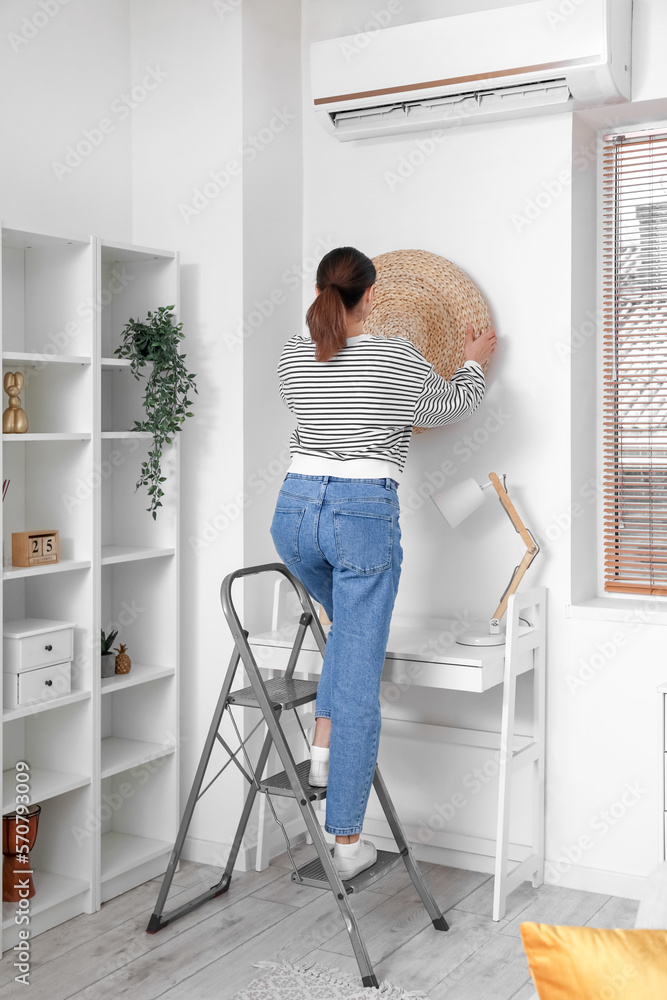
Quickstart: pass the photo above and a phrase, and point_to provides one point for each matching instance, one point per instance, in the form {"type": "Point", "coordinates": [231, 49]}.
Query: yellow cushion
{"type": "Point", "coordinates": [586, 963]}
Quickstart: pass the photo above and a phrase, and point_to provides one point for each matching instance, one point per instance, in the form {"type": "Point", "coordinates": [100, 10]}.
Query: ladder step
{"type": "Point", "coordinates": [286, 693]}
{"type": "Point", "coordinates": [312, 873]}
{"type": "Point", "coordinates": [278, 784]}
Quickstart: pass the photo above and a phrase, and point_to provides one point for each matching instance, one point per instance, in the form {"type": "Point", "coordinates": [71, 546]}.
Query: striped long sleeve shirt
{"type": "Point", "coordinates": [355, 413]}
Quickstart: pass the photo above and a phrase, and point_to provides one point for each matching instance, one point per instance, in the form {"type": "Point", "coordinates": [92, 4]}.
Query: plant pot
{"type": "Point", "coordinates": [108, 664]}
{"type": "Point", "coordinates": [13, 885]}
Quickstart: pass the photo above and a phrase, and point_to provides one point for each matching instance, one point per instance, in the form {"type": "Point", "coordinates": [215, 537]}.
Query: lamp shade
{"type": "Point", "coordinates": [457, 502]}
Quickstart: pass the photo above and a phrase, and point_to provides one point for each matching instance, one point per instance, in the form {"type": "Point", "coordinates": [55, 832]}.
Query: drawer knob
{"type": "Point", "coordinates": [49, 647]}
{"type": "Point", "coordinates": [48, 683]}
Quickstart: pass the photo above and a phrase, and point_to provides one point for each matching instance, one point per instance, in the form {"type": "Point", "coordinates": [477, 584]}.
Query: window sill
{"type": "Point", "coordinates": [643, 611]}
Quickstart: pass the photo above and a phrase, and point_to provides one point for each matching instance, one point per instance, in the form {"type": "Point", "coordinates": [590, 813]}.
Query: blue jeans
{"type": "Point", "coordinates": [342, 539]}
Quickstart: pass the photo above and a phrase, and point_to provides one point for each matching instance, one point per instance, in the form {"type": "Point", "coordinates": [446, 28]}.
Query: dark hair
{"type": "Point", "coordinates": [342, 277]}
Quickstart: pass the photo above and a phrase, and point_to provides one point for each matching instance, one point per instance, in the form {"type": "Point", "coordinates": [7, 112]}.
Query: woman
{"type": "Point", "coordinates": [356, 398]}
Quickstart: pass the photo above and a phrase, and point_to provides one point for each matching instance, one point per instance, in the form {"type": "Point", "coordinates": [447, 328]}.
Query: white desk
{"type": "Point", "coordinates": [424, 654]}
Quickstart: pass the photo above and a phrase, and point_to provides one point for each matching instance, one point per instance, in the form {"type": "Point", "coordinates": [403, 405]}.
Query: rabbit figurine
{"type": "Point", "coordinates": [14, 419]}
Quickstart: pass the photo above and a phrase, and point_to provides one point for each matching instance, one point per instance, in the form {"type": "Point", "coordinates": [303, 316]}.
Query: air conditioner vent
{"type": "Point", "coordinates": [452, 107]}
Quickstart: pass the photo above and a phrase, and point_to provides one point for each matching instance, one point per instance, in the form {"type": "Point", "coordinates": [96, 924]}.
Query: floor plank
{"type": "Point", "coordinates": [615, 912]}
{"type": "Point", "coordinates": [481, 899]}
{"type": "Point", "coordinates": [310, 927]}
{"type": "Point", "coordinates": [111, 947]}
{"type": "Point", "coordinates": [558, 906]}
{"type": "Point", "coordinates": [210, 953]}
{"type": "Point", "coordinates": [496, 971]}
{"type": "Point", "coordinates": [187, 953]}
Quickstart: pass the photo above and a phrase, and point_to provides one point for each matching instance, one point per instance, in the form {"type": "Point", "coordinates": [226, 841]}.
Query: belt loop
{"type": "Point", "coordinates": [325, 480]}
{"type": "Point", "coordinates": [387, 483]}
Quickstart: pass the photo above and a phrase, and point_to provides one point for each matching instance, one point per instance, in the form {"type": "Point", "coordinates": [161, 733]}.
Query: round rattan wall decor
{"type": "Point", "coordinates": [430, 301]}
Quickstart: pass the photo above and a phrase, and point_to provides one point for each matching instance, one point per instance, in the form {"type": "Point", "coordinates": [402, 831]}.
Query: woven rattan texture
{"type": "Point", "coordinates": [429, 300]}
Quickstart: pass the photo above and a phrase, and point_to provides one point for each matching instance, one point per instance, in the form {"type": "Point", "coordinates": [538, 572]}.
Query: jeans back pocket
{"type": "Point", "coordinates": [285, 532]}
{"type": "Point", "coordinates": [363, 541]}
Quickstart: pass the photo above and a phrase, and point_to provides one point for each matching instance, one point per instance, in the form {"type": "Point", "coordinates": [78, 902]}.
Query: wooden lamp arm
{"type": "Point", "coordinates": [532, 548]}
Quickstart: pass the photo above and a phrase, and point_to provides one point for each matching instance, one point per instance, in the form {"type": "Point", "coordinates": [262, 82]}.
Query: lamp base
{"type": "Point", "coordinates": [480, 634]}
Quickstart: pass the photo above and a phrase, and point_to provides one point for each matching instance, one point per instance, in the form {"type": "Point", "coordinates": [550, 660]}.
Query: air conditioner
{"type": "Point", "coordinates": [532, 58]}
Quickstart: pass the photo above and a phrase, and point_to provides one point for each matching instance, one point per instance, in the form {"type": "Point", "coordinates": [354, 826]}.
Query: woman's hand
{"type": "Point", "coordinates": [481, 349]}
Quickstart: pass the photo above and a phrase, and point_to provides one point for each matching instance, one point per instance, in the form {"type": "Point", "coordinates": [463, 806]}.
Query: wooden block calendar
{"type": "Point", "coordinates": [34, 548]}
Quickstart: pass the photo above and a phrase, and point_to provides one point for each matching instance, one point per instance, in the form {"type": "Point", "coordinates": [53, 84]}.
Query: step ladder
{"type": "Point", "coordinates": [272, 698]}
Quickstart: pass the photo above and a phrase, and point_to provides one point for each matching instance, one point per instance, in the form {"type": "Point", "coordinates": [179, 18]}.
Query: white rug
{"type": "Point", "coordinates": [304, 981]}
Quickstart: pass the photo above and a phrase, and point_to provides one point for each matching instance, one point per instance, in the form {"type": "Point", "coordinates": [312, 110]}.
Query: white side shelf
{"type": "Point", "coordinates": [120, 754]}
{"type": "Point", "coordinates": [50, 890]}
{"type": "Point", "coordinates": [118, 571]}
{"type": "Point", "coordinates": [126, 435]}
{"type": "Point", "coordinates": [123, 851]}
{"type": "Point", "coordinates": [128, 553]}
{"type": "Point", "coordinates": [45, 436]}
{"type": "Point", "coordinates": [108, 364]}
{"type": "Point", "coordinates": [64, 566]}
{"type": "Point", "coordinates": [34, 360]}
{"type": "Point", "coordinates": [139, 674]}
{"type": "Point", "coordinates": [43, 785]}
{"type": "Point", "coordinates": [46, 706]}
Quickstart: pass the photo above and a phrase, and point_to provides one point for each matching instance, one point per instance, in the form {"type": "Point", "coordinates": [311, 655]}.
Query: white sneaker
{"type": "Point", "coordinates": [319, 766]}
{"type": "Point", "coordinates": [350, 859]}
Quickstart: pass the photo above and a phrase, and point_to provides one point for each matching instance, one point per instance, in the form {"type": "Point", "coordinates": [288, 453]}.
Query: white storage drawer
{"type": "Point", "coordinates": [41, 684]}
{"type": "Point", "coordinates": [36, 642]}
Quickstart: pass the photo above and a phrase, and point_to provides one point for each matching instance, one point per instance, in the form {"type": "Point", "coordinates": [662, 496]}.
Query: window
{"type": "Point", "coordinates": [635, 362]}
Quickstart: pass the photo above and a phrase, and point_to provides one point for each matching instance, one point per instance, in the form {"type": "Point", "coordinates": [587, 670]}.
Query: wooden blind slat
{"type": "Point", "coordinates": [634, 368]}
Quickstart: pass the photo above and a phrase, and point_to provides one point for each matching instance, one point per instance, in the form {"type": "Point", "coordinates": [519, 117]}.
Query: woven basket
{"type": "Point", "coordinates": [429, 300]}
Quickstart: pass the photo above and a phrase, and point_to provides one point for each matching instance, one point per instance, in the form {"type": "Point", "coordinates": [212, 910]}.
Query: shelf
{"type": "Point", "coordinates": [50, 890]}
{"type": "Point", "coordinates": [23, 710]}
{"type": "Point", "coordinates": [64, 566]}
{"type": "Point", "coordinates": [120, 754]}
{"type": "Point", "coordinates": [121, 852]}
{"type": "Point", "coordinates": [140, 673]}
{"type": "Point", "coordinates": [109, 364]}
{"type": "Point", "coordinates": [43, 785]}
{"type": "Point", "coordinates": [23, 358]}
{"type": "Point", "coordinates": [129, 553]}
{"type": "Point", "coordinates": [44, 436]}
{"type": "Point", "coordinates": [127, 435]}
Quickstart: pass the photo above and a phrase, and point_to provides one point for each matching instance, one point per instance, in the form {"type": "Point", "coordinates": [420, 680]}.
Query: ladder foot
{"type": "Point", "coordinates": [155, 924]}
{"type": "Point", "coordinates": [222, 886]}
{"type": "Point", "coordinates": [440, 924]}
{"type": "Point", "coordinates": [370, 981]}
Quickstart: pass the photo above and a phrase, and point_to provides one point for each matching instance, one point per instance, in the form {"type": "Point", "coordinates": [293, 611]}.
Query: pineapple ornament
{"type": "Point", "coordinates": [123, 662]}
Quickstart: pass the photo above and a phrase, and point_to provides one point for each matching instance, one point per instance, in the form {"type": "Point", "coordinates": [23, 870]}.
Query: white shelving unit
{"type": "Point", "coordinates": [103, 759]}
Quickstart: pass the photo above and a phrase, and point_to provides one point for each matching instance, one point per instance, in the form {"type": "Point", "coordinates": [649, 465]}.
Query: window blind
{"type": "Point", "coordinates": [635, 362]}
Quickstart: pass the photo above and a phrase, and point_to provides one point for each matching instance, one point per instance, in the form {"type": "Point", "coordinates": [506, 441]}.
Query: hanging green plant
{"type": "Point", "coordinates": [153, 344]}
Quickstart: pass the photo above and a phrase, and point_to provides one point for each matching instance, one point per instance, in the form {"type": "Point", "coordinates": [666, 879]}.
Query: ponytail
{"type": "Point", "coordinates": [343, 276]}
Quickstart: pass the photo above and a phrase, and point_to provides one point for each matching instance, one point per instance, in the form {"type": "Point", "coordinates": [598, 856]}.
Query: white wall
{"type": "Point", "coordinates": [61, 73]}
{"type": "Point", "coordinates": [188, 194]}
{"type": "Point", "coordinates": [467, 201]}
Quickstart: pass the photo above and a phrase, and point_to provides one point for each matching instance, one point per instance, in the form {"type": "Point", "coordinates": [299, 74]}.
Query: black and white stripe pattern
{"type": "Point", "coordinates": [364, 402]}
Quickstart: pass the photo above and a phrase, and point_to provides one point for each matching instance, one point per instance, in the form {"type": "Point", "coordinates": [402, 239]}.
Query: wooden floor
{"type": "Point", "coordinates": [209, 954]}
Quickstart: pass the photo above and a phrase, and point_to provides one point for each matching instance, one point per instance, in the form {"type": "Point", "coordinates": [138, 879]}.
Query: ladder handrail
{"type": "Point", "coordinates": [231, 613]}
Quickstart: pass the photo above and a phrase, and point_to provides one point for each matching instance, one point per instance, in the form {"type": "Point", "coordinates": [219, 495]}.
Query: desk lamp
{"type": "Point", "coordinates": [455, 504]}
